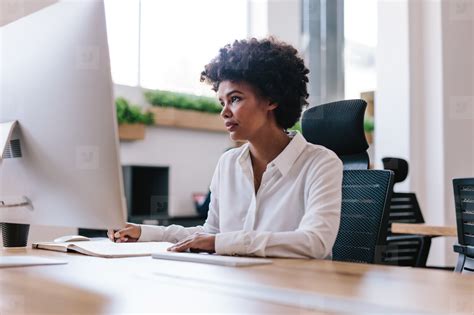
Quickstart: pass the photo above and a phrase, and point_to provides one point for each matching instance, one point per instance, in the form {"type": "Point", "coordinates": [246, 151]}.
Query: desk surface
{"type": "Point", "coordinates": [424, 229]}
{"type": "Point", "coordinates": [141, 284]}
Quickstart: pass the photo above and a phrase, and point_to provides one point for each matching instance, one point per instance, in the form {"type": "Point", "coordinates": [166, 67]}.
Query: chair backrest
{"type": "Point", "coordinates": [364, 216]}
{"type": "Point", "coordinates": [464, 203]}
{"type": "Point", "coordinates": [398, 166]}
{"type": "Point", "coordinates": [404, 208]}
{"type": "Point", "coordinates": [339, 126]}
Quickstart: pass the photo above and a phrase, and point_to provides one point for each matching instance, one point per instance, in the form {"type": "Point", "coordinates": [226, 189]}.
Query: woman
{"type": "Point", "coordinates": [277, 195]}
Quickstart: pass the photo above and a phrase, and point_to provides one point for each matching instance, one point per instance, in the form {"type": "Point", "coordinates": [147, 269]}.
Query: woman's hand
{"type": "Point", "coordinates": [130, 233]}
{"type": "Point", "coordinates": [197, 242]}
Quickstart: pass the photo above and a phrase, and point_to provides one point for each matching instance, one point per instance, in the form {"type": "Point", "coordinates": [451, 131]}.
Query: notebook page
{"type": "Point", "coordinates": [109, 249]}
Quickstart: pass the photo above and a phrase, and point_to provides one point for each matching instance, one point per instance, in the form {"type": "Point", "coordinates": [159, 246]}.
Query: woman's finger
{"type": "Point", "coordinates": [123, 232]}
{"type": "Point", "coordinates": [186, 239]}
{"type": "Point", "coordinates": [181, 246]}
{"type": "Point", "coordinates": [110, 235]}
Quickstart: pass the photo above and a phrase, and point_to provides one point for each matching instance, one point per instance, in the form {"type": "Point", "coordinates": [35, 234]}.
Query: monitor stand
{"type": "Point", "coordinates": [14, 235]}
{"type": "Point", "coordinates": [6, 133]}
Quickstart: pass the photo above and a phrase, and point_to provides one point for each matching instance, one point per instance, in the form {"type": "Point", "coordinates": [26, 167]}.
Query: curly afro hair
{"type": "Point", "coordinates": [271, 66]}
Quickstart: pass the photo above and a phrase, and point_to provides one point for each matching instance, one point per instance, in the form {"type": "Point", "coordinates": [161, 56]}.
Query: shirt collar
{"type": "Point", "coordinates": [285, 160]}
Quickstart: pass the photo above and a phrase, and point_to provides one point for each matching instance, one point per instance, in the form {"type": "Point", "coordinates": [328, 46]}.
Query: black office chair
{"type": "Point", "coordinates": [404, 249]}
{"type": "Point", "coordinates": [364, 216]}
{"type": "Point", "coordinates": [339, 126]}
{"type": "Point", "coordinates": [464, 203]}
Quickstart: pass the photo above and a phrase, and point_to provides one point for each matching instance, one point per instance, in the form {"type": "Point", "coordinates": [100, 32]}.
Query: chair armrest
{"type": "Point", "coordinates": [462, 249]}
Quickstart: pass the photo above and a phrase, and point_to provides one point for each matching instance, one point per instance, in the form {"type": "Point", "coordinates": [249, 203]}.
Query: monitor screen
{"type": "Point", "coordinates": [55, 82]}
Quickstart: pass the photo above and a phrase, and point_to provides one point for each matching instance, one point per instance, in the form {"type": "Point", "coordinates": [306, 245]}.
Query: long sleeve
{"type": "Point", "coordinates": [316, 233]}
{"type": "Point", "coordinates": [175, 233]}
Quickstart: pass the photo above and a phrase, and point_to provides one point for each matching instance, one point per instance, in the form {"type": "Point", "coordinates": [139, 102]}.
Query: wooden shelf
{"type": "Point", "coordinates": [130, 132]}
{"type": "Point", "coordinates": [172, 117]}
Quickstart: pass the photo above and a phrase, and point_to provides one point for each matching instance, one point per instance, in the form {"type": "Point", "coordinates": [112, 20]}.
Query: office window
{"type": "Point", "coordinates": [122, 30]}
{"type": "Point", "coordinates": [323, 46]}
{"type": "Point", "coordinates": [360, 32]}
{"type": "Point", "coordinates": [172, 42]}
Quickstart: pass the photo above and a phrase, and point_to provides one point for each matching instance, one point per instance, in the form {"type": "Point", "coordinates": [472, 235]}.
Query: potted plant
{"type": "Point", "coordinates": [132, 120]}
{"type": "Point", "coordinates": [369, 128]}
{"type": "Point", "coordinates": [185, 110]}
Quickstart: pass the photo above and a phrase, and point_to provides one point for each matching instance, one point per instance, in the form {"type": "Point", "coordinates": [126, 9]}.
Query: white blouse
{"type": "Point", "coordinates": [295, 213]}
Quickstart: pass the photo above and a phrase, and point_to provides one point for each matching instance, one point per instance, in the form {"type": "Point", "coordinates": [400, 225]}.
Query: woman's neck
{"type": "Point", "coordinates": [268, 145]}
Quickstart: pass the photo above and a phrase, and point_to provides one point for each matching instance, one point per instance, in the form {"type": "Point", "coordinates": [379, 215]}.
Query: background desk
{"type": "Point", "coordinates": [97, 285]}
{"type": "Point", "coordinates": [424, 229]}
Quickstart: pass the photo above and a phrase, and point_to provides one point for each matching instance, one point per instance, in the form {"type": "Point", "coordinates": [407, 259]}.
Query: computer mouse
{"type": "Point", "coordinates": [71, 238]}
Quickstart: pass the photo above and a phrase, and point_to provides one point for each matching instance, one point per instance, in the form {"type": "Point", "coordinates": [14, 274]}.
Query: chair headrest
{"type": "Point", "coordinates": [339, 126]}
{"type": "Point", "coordinates": [398, 166]}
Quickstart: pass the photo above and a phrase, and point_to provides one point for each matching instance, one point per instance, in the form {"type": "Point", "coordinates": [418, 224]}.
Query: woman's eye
{"type": "Point", "coordinates": [235, 99]}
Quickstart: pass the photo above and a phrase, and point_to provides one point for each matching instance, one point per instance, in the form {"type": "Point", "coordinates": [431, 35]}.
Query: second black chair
{"type": "Point", "coordinates": [404, 250]}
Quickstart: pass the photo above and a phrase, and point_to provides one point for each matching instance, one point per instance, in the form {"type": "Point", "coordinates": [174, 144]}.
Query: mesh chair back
{"type": "Point", "coordinates": [339, 126]}
{"type": "Point", "coordinates": [364, 215]}
{"type": "Point", "coordinates": [464, 202]}
{"type": "Point", "coordinates": [404, 208]}
{"type": "Point", "coordinates": [406, 250]}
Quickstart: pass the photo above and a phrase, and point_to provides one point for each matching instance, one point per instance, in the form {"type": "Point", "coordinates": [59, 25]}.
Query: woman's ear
{"type": "Point", "coordinates": [272, 105]}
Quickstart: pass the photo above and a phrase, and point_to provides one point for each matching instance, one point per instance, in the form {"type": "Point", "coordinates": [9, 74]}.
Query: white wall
{"type": "Point", "coordinates": [190, 155]}
{"type": "Point", "coordinates": [425, 67]}
{"type": "Point", "coordinates": [458, 99]}
{"type": "Point", "coordinates": [392, 94]}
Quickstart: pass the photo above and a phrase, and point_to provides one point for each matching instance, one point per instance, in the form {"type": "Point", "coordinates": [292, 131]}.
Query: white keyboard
{"type": "Point", "coordinates": [212, 259]}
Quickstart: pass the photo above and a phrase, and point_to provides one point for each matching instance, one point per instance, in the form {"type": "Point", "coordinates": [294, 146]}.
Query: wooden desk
{"type": "Point", "coordinates": [138, 285]}
{"type": "Point", "coordinates": [423, 229]}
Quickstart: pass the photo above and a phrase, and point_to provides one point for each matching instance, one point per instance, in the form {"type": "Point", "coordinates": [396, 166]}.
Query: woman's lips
{"type": "Point", "coordinates": [231, 126]}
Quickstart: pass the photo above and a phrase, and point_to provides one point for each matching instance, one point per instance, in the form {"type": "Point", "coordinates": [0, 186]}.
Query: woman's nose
{"type": "Point", "coordinates": [225, 112]}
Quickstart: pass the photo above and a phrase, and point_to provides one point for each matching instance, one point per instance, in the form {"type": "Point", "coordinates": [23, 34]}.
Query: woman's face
{"type": "Point", "coordinates": [244, 111]}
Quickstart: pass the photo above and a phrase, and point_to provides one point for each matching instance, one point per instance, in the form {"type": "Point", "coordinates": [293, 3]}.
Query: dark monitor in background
{"type": "Point", "coordinates": [146, 191]}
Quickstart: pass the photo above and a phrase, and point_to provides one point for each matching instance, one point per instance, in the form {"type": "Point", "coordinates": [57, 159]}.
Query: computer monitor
{"type": "Point", "coordinates": [55, 81]}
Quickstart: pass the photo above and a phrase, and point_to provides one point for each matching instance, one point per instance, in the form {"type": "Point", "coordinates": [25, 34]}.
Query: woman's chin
{"type": "Point", "coordinates": [235, 136]}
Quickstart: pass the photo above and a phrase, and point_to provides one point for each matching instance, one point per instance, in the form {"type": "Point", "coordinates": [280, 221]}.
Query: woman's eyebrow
{"type": "Point", "coordinates": [231, 92]}
{"type": "Point", "coordinates": [234, 91]}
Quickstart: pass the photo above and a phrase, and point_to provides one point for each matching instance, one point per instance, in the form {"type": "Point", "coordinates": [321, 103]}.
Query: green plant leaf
{"type": "Point", "coordinates": [182, 101]}
{"type": "Point", "coordinates": [132, 114]}
{"type": "Point", "coordinates": [369, 124]}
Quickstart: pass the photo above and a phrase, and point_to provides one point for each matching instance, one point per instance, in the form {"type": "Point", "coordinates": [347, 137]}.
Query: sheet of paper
{"type": "Point", "coordinates": [22, 261]}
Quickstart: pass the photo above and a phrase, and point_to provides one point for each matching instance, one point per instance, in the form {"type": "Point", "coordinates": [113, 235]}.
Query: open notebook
{"type": "Point", "coordinates": [106, 248]}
